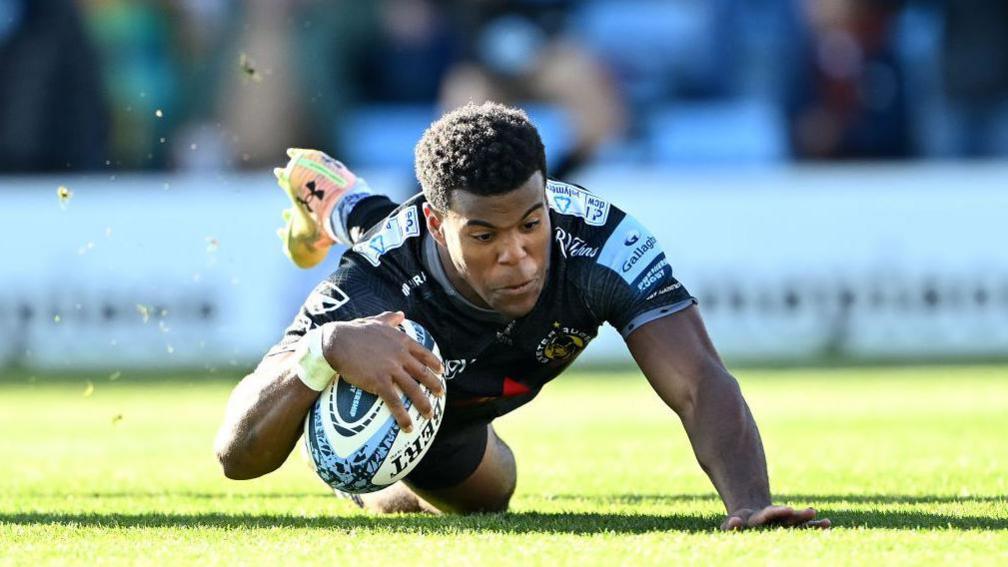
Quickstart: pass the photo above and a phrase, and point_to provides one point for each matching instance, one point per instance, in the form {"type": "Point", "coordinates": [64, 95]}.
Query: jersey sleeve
{"type": "Point", "coordinates": [631, 282]}
{"type": "Point", "coordinates": [349, 293]}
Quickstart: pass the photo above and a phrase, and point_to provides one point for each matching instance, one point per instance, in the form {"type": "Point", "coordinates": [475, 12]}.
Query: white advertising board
{"type": "Point", "coordinates": [856, 261]}
{"type": "Point", "coordinates": [186, 271]}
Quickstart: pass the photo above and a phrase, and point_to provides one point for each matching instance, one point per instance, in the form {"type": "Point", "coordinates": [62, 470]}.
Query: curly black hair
{"type": "Point", "coordinates": [486, 149]}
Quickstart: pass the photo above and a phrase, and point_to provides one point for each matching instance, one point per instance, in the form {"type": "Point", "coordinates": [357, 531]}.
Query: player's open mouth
{"type": "Point", "coordinates": [519, 289]}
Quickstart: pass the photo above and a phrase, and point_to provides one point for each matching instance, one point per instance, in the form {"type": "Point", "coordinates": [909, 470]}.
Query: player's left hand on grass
{"type": "Point", "coordinates": [774, 516]}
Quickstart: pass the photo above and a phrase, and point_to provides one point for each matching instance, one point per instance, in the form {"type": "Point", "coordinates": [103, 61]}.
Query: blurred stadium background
{"type": "Point", "coordinates": [829, 177]}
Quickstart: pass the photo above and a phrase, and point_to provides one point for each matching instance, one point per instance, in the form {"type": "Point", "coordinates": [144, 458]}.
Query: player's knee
{"type": "Point", "coordinates": [511, 479]}
{"type": "Point", "coordinates": [499, 498]}
{"type": "Point", "coordinates": [501, 501]}
{"type": "Point", "coordinates": [487, 493]}
{"type": "Point", "coordinates": [486, 504]}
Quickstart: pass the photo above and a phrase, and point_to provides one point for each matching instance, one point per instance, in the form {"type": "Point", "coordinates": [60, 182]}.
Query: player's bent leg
{"type": "Point", "coordinates": [488, 489]}
{"type": "Point", "coordinates": [469, 471]}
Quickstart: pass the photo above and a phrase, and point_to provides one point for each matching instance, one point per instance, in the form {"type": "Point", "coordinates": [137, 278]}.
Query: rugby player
{"type": "Point", "coordinates": [513, 274]}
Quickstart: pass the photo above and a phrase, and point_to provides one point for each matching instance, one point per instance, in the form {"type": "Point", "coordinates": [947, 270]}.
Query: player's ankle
{"type": "Point", "coordinates": [337, 216]}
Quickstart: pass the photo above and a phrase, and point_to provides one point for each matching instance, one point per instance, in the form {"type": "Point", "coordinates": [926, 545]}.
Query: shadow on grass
{"type": "Point", "coordinates": [796, 500]}
{"type": "Point", "coordinates": [521, 522]}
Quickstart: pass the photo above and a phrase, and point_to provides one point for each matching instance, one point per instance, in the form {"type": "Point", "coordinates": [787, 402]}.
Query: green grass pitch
{"type": "Point", "coordinates": [911, 464]}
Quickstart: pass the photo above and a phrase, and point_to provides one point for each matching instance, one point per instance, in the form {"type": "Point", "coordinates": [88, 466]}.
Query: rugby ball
{"type": "Point", "coordinates": [354, 443]}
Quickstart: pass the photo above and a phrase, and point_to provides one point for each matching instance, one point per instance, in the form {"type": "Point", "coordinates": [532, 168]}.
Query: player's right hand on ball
{"type": "Point", "coordinates": [374, 355]}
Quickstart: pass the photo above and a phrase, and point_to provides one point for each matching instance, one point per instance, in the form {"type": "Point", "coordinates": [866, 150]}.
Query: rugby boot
{"type": "Point", "coordinates": [314, 182]}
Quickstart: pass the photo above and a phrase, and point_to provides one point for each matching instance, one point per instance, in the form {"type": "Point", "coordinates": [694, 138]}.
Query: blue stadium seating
{"type": "Point", "coordinates": [383, 136]}
{"type": "Point", "coordinates": [737, 131]}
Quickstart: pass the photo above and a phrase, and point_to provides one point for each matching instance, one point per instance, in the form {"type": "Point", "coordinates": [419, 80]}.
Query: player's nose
{"type": "Point", "coordinates": [513, 250]}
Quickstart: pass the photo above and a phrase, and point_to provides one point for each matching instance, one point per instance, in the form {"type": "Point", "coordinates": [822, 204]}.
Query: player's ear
{"type": "Point", "coordinates": [435, 222]}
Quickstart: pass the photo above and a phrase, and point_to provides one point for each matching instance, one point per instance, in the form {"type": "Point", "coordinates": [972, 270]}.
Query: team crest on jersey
{"type": "Point", "coordinates": [561, 344]}
{"type": "Point", "coordinates": [570, 200]}
{"type": "Point", "coordinates": [405, 224]}
{"type": "Point", "coordinates": [325, 298]}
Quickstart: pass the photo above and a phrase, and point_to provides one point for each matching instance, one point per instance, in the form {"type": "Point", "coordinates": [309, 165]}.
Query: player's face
{"type": "Point", "coordinates": [498, 246]}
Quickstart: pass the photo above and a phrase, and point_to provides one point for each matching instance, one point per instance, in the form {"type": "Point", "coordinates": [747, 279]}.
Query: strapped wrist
{"type": "Point", "coordinates": [312, 367]}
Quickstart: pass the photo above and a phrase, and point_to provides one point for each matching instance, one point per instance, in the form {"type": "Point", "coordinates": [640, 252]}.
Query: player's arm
{"type": "Point", "coordinates": [679, 360]}
{"type": "Point", "coordinates": [263, 419]}
{"type": "Point", "coordinates": [266, 411]}
{"type": "Point", "coordinates": [631, 286]}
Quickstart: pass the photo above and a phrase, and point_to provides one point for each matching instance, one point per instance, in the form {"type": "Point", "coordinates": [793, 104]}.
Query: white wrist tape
{"type": "Point", "coordinates": [312, 367]}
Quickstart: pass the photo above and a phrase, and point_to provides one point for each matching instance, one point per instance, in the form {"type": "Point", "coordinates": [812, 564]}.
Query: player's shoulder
{"type": "Point", "coordinates": [584, 223]}
{"type": "Point", "coordinates": [588, 226]}
{"type": "Point", "coordinates": [356, 289]}
{"type": "Point", "coordinates": [575, 207]}
{"type": "Point", "coordinates": [580, 212]}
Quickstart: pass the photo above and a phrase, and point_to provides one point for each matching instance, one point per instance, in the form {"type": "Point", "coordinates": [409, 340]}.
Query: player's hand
{"type": "Point", "coordinates": [774, 516]}
{"type": "Point", "coordinates": [374, 355]}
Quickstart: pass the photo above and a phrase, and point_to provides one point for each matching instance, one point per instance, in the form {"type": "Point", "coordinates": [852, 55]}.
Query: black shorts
{"type": "Point", "coordinates": [452, 458]}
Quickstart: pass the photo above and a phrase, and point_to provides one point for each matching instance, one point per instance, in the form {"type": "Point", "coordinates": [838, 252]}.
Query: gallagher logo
{"type": "Point", "coordinates": [562, 344]}
{"type": "Point", "coordinates": [632, 238]}
{"type": "Point", "coordinates": [639, 252]}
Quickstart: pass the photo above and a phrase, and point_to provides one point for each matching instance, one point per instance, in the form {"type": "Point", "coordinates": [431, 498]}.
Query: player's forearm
{"type": "Point", "coordinates": [265, 417]}
{"type": "Point", "coordinates": [727, 443]}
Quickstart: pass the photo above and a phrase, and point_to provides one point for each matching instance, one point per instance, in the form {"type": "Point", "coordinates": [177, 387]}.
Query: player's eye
{"type": "Point", "coordinates": [483, 236]}
{"type": "Point", "coordinates": [531, 225]}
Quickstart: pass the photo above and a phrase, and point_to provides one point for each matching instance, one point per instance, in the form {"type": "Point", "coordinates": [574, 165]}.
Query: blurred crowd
{"type": "Point", "coordinates": [224, 84]}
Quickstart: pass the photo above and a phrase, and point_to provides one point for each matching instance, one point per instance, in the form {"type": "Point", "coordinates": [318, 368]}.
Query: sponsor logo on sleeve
{"type": "Point", "coordinates": [654, 274]}
{"type": "Point", "coordinates": [326, 298]}
{"type": "Point", "coordinates": [631, 251]}
{"type": "Point", "coordinates": [405, 224]}
{"type": "Point", "coordinates": [639, 253]}
{"type": "Point", "coordinates": [570, 200]}
{"type": "Point", "coordinates": [664, 290]}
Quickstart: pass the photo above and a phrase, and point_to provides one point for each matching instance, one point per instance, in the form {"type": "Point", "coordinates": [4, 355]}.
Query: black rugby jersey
{"type": "Point", "coordinates": [604, 268]}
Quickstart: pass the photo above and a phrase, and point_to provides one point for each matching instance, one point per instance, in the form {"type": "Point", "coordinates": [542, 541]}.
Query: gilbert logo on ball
{"type": "Point", "coordinates": [356, 445]}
